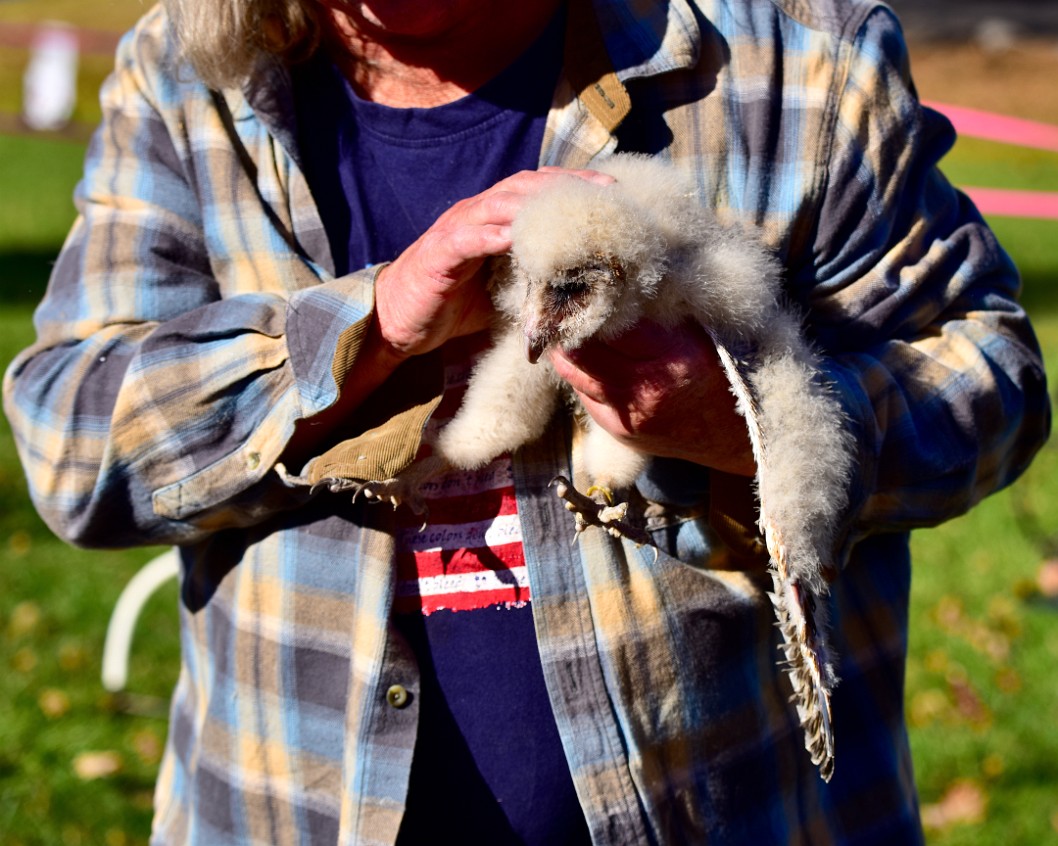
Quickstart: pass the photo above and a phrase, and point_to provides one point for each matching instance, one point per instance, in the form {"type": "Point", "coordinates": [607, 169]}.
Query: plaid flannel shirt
{"type": "Point", "coordinates": [192, 321]}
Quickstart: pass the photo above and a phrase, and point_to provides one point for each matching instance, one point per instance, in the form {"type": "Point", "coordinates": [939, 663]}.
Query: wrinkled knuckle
{"type": "Point", "coordinates": [521, 177]}
{"type": "Point", "coordinates": [432, 257]}
{"type": "Point", "coordinates": [498, 204]}
{"type": "Point", "coordinates": [462, 238]}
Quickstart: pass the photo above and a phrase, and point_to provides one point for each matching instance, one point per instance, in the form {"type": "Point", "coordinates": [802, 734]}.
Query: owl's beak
{"type": "Point", "coordinates": [540, 333]}
{"type": "Point", "coordinates": [534, 347]}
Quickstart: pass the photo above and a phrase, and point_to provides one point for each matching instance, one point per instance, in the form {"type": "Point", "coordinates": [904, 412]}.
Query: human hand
{"type": "Point", "coordinates": [435, 290]}
{"type": "Point", "coordinates": [663, 392]}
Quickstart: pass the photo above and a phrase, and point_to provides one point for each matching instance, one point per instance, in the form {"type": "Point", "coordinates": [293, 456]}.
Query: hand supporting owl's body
{"type": "Point", "coordinates": [663, 392]}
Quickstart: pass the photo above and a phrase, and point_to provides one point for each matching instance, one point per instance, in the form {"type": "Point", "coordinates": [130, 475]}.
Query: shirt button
{"type": "Point", "coordinates": [397, 696]}
{"type": "Point", "coordinates": [253, 460]}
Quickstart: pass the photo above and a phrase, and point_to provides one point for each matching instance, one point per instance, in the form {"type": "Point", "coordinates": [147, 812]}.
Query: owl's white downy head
{"type": "Point", "coordinates": [585, 261]}
{"type": "Point", "coordinates": [590, 260]}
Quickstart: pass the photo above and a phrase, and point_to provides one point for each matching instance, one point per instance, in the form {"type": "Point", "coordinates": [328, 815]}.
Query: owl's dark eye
{"type": "Point", "coordinates": [568, 292]}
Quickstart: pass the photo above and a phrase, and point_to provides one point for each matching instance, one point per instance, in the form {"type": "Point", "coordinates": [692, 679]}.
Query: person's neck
{"type": "Point", "coordinates": [438, 68]}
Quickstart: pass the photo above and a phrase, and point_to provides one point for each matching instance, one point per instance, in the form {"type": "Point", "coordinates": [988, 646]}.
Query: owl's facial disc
{"type": "Point", "coordinates": [558, 299]}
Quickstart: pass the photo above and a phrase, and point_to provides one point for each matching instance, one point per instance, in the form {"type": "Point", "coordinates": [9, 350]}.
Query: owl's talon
{"type": "Point", "coordinates": [600, 489]}
{"type": "Point", "coordinates": [395, 492]}
{"type": "Point", "coordinates": [589, 512]}
{"type": "Point", "coordinates": [613, 513]}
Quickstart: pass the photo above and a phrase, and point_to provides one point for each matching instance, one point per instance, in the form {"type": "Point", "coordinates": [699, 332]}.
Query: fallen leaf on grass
{"type": "Point", "coordinates": [53, 703]}
{"type": "Point", "coordinates": [1004, 616]}
{"type": "Point", "coordinates": [968, 703]}
{"type": "Point", "coordinates": [993, 766]}
{"type": "Point", "coordinates": [964, 802]}
{"type": "Point", "coordinates": [937, 661]}
{"type": "Point", "coordinates": [948, 612]}
{"type": "Point", "coordinates": [93, 765]}
{"type": "Point", "coordinates": [74, 656]}
{"type": "Point", "coordinates": [928, 706]}
{"type": "Point", "coordinates": [991, 637]}
{"type": "Point", "coordinates": [116, 837]}
{"type": "Point", "coordinates": [25, 617]}
{"type": "Point", "coordinates": [19, 543]}
{"type": "Point", "coordinates": [148, 746]}
{"type": "Point", "coordinates": [1008, 680]}
{"type": "Point", "coordinates": [1047, 579]}
{"type": "Point", "coordinates": [24, 661]}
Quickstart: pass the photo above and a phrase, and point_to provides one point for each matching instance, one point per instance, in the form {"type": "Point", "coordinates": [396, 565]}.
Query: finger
{"type": "Point", "coordinates": [498, 206]}
{"type": "Point", "coordinates": [532, 180]}
{"type": "Point", "coordinates": [452, 256]}
{"type": "Point", "coordinates": [503, 199]}
{"type": "Point", "coordinates": [581, 173]}
{"type": "Point", "coordinates": [478, 241]}
{"type": "Point", "coordinates": [645, 340]}
{"type": "Point", "coordinates": [644, 343]}
{"type": "Point", "coordinates": [607, 365]}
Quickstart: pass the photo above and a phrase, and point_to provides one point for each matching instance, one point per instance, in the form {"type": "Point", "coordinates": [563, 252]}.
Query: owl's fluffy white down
{"type": "Point", "coordinates": [645, 248]}
{"type": "Point", "coordinates": [508, 403]}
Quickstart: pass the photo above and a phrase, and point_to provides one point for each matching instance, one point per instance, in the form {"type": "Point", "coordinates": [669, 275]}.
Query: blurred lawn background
{"type": "Point", "coordinates": [77, 764]}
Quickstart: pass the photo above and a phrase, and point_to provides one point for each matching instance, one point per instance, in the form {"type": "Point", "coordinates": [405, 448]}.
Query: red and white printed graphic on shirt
{"type": "Point", "coordinates": [469, 553]}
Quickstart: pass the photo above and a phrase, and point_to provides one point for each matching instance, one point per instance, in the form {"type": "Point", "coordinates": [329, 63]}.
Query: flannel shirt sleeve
{"type": "Point", "coordinates": [915, 303]}
{"type": "Point", "coordinates": [153, 406]}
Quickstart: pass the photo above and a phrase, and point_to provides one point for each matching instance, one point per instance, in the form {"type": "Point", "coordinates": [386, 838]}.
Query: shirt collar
{"type": "Point", "coordinates": [609, 43]}
{"type": "Point", "coordinates": [648, 37]}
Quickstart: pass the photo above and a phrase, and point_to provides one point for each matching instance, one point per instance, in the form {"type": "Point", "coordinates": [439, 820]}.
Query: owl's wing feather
{"type": "Point", "coordinates": [800, 614]}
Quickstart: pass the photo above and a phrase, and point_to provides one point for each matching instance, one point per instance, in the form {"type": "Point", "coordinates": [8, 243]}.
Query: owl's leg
{"type": "Point", "coordinates": [588, 511]}
{"type": "Point", "coordinates": [405, 488]}
{"type": "Point", "coordinates": [609, 463]}
{"type": "Point", "coordinates": [611, 466]}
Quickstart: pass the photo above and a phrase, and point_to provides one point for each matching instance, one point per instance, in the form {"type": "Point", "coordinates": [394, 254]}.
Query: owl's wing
{"type": "Point", "coordinates": [508, 403]}
{"type": "Point", "coordinates": [799, 609]}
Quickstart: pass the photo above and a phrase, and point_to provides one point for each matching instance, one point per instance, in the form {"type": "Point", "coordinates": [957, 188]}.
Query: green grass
{"type": "Point", "coordinates": [105, 15]}
{"type": "Point", "coordinates": [37, 177]}
{"type": "Point", "coordinates": [982, 691]}
{"type": "Point", "coordinates": [986, 164]}
{"type": "Point", "coordinates": [982, 695]}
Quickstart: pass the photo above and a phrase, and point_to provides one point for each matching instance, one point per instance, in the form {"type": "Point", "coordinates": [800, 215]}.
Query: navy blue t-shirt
{"type": "Point", "coordinates": [488, 765]}
{"type": "Point", "coordinates": [381, 175]}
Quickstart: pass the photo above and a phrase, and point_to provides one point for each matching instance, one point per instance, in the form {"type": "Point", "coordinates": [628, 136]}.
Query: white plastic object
{"type": "Point", "coordinates": [141, 587]}
{"type": "Point", "coordinates": [49, 86]}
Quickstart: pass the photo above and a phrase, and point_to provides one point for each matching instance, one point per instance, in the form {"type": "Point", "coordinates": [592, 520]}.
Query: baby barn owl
{"type": "Point", "coordinates": [588, 262]}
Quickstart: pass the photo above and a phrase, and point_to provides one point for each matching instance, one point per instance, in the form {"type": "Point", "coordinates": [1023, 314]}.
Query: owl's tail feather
{"type": "Point", "coordinates": [808, 665]}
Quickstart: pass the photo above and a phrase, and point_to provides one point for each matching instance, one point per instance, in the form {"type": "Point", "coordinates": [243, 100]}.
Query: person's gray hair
{"type": "Point", "coordinates": [223, 39]}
